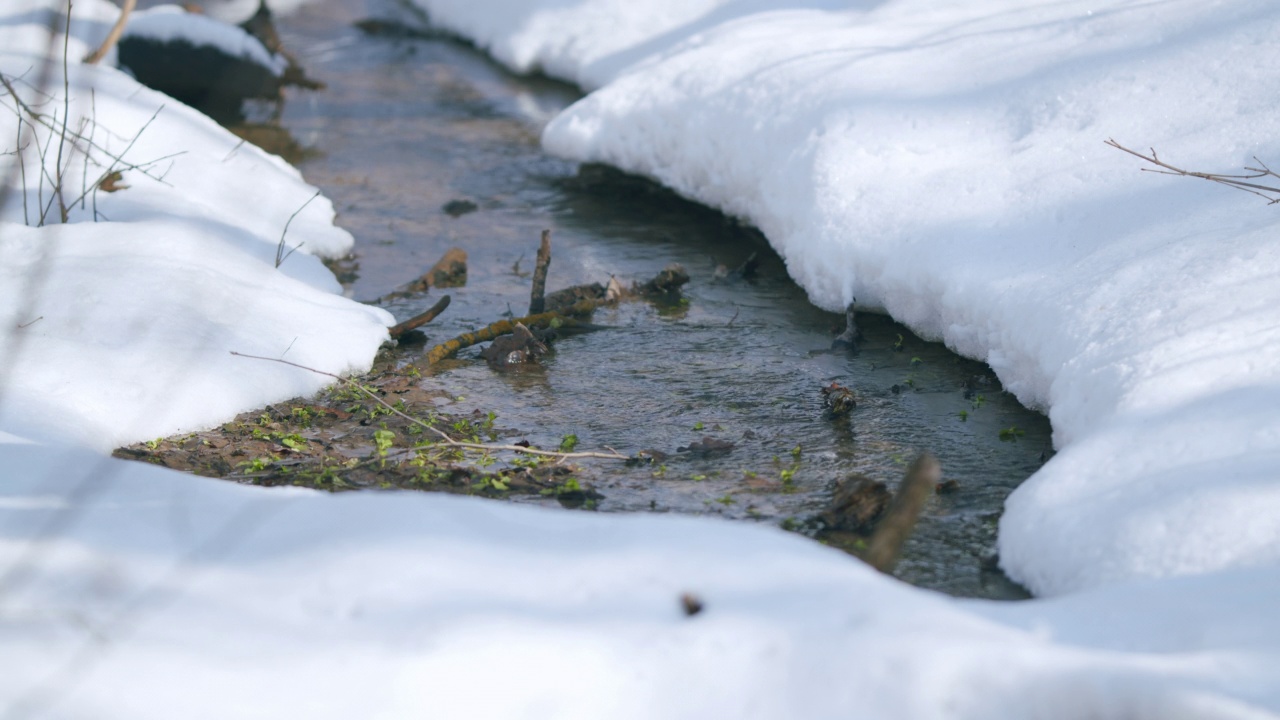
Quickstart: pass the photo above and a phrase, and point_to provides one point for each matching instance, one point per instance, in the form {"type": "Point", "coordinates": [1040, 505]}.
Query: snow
{"type": "Point", "coordinates": [944, 164]}
{"type": "Point", "coordinates": [273, 602]}
{"type": "Point", "coordinates": [170, 23]}
{"type": "Point", "coordinates": [106, 320]}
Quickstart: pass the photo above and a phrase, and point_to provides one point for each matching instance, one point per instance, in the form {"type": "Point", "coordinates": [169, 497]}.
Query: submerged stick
{"type": "Point", "coordinates": [419, 320]}
{"type": "Point", "coordinates": [537, 298]}
{"type": "Point", "coordinates": [503, 327]}
{"type": "Point", "coordinates": [899, 520]}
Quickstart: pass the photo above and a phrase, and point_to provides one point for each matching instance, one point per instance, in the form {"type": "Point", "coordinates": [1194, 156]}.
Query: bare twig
{"type": "Point", "coordinates": [1240, 182]}
{"type": "Point", "coordinates": [281, 255]}
{"type": "Point", "coordinates": [113, 37]}
{"type": "Point", "coordinates": [560, 456]}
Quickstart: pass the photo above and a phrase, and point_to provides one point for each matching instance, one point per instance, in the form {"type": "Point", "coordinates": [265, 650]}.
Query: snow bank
{"type": "Point", "coordinates": [947, 165]}
{"type": "Point", "coordinates": [118, 326]}
{"type": "Point", "coordinates": [266, 603]}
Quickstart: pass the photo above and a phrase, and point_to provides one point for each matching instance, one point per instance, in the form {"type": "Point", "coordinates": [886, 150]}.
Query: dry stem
{"type": "Point", "coordinates": [1239, 182]}
{"type": "Point", "coordinates": [560, 456]}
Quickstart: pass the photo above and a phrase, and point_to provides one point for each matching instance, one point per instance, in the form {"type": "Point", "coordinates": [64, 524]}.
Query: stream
{"type": "Point", "coordinates": [411, 122]}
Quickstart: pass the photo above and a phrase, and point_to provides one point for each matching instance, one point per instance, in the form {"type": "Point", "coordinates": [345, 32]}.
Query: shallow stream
{"type": "Point", "coordinates": [410, 123]}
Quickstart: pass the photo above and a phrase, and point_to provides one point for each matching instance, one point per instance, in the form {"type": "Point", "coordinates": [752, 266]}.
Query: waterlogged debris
{"type": "Point", "coordinates": [518, 348]}
{"type": "Point", "coordinates": [537, 293]}
{"type": "Point", "coordinates": [449, 271]}
{"type": "Point", "coordinates": [667, 282]}
{"type": "Point", "coordinates": [708, 447]}
{"type": "Point", "coordinates": [562, 300]}
{"type": "Point", "coordinates": [647, 457]}
{"type": "Point", "coordinates": [458, 208]}
{"type": "Point", "coordinates": [947, 487]}
{"type": "Point", "coordinates": [838, 400]}
{"type": "Point", "coordinates": [856, 505]}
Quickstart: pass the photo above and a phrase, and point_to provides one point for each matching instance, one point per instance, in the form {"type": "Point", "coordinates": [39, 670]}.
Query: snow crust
{"type": "Point", "coordinates": [264, 603]}
{"type": "Point", "coordinates": [947, 165]}
{"type": "Point", "coordinates": [170, 23]}
{"type": "Point", "coordinates": [121, 330]}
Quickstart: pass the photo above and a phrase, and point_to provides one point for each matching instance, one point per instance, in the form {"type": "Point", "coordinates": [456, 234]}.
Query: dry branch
{"type": "Point", "coordinates": [113, 37]}
{"type": "Point", "coordinates": [503, 327]}
{"type": "Point", "coordinates": [1239, 182]}
{"type": "Point", "coordinates": [420, 320]}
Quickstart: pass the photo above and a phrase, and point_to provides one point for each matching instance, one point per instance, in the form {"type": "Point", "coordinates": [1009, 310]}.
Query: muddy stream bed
{"type": "Point", "coordinates": [424, 144]}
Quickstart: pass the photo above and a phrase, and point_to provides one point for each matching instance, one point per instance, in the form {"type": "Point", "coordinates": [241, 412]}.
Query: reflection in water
{"type": "Point", "coordinates": [412, 128]}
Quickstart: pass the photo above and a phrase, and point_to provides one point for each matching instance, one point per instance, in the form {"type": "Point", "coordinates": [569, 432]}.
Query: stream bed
{"type": "Point", "coordinates": [424, 144]}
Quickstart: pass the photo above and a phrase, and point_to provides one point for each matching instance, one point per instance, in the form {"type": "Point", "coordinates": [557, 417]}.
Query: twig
{"type": "Point", "coordinates": [1236, 181]}
{"type": "Point", "coordinates": [893, 530]}
{"type": "Point", "coordinates": [420, 320]}
{"type": "Point", "coordinates": [281, 255]}
{"type": "Point", "coordinates": [25, 325]}
{"type": "Point", "coordinates": [560, 456]}
{"type": "Point", "coordinates": [113, 37]}
{"type": "Point", "coordinates": [537, 298]}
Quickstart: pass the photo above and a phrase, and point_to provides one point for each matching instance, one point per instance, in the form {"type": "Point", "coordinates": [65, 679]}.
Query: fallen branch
{"type": "Point", "coordinates": [560, 456]}
{"type": "Point", "coordinates": [504, 327]}
{"type": "Point", "coordinates": [419, 320]}
{"type": "Point", "coordinates": [1239, 182]}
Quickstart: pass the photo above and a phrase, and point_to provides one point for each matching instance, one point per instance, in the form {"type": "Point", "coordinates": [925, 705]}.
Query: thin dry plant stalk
{"type": "Point", "coordinates": [560, 456]}
{"type": "Point", "coordinates": [113, 37]}
{"type": "Point", "coordinates": [1239, 182]}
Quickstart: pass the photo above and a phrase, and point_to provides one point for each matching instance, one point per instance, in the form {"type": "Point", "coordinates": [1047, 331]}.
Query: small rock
{"type": "Point", "coordinates": [947, 487]}
{"type": "Point", "coordinates": [691, 604]}
{"type": "Point", "coordinates": [856, 505]}
{"type": "Point", "coordinates": [707, 447]}
{"type": "Point", "coordinates": [458, 208]}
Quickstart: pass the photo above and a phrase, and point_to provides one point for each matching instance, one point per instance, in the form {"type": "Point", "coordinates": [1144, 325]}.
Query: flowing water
{"type": "Point", "coordinates": [411, 122]}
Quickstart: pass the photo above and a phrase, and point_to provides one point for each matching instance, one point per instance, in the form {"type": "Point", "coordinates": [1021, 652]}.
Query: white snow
{"type": "Point", "coordinates": [196, 598]}
{"type": "Point", "coordinates": [943, 163]}
{"type": "Point", "coordinates": [171, 23]}
{"type": "Point", "coordinates": [121, 330]}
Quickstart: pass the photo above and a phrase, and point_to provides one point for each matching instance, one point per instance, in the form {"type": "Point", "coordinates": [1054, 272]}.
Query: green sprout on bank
{"type": "Point", "coordinates": [1011, 433]}
{"type": "Point", "coordinates": [383, 440]}
{"type": "Point", "coordinates": [568, 443]}
{"type": "Point", "coordinates": [568, 486]}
